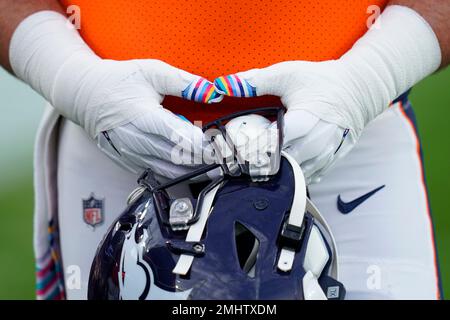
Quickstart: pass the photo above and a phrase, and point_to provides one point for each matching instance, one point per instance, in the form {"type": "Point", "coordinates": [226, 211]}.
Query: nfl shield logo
{"type": "Point", "coordinates": [93, 213]}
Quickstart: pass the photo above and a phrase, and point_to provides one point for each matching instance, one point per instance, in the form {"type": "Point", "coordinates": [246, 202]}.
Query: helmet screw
{"type": "Point", "coordinates": [181, 206]}
{"type": "Point", "coordinates": [198, 247]}
{"type": "Point", "coordinates": [261, 204]}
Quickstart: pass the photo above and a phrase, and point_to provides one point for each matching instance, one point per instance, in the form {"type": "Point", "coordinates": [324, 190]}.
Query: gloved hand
{"type": "Point", "coordinates": [256, 144]}
{"type": "Point", "coordinates": [118, 103]}
{"type": "Point", "coordinates": [329, 103]}
{"type": "Point", "coordinates": [156, 138]}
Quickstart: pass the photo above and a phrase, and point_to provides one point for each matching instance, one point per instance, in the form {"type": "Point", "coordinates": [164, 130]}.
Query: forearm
{"type": "Point", "coordinates": [437, 14]}
{"type": "Point", "coordinates": [11, 14]}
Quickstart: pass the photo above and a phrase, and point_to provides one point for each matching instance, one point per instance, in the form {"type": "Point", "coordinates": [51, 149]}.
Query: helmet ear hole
{"type": "Point", "coordinates": [125, 227]}
{"type": "Point", "coordinates": [247, 247]}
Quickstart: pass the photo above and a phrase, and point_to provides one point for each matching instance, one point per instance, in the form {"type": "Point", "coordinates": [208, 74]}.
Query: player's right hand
{"type": "Point", "coordinates": [132, 127]}
{"type": "Point", "coordinates": [118, 103]}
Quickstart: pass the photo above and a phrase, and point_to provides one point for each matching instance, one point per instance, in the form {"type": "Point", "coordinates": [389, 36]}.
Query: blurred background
{"type": "Point", "coordinates": [20, 111]}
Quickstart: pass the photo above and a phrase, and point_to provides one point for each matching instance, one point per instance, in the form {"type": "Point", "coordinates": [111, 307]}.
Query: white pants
{"type": "Point", "coordinates": [385, 243]}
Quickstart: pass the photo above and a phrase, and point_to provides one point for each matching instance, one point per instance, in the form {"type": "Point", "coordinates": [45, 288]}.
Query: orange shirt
{"type": "Point", "coordinates": [213, 38]}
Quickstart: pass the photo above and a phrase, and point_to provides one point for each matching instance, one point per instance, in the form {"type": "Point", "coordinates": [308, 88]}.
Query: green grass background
{"type": "Point", "coordinates": [431, 100]}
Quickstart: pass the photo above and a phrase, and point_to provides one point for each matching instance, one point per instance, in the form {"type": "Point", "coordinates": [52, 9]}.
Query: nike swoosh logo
{"type": "Point", "coordinates": [347, 207]}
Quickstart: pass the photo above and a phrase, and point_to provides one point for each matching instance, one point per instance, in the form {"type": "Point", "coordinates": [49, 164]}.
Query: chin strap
{"type": "Point", "coordinates": [292, 230]}
{"type": "Point", "coordinates": [317, 255]}
{"type": "Point", "coordinates": [196, 230]}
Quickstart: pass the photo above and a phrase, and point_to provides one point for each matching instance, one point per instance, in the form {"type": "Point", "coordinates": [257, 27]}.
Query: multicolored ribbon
{"type": "Point", "coordinates": [234, 86]}
{"type": "Point", "coordinates": [49, 276]}
{"type": "Point", "coordinates": [201, 91]}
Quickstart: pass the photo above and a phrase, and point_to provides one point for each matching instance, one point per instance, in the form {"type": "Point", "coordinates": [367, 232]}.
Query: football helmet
{"type": "Point", "coordinates": [232, 237]}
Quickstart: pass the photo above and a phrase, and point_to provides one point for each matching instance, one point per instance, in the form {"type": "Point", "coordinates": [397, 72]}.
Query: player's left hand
{"type": "Point", "coordinates": [317, 131]}
{"type": "Point", "coordinates": [329, 103]}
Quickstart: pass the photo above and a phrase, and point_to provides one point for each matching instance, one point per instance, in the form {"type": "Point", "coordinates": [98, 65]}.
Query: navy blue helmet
{"type": "Point", "coordinates": [232, 237]}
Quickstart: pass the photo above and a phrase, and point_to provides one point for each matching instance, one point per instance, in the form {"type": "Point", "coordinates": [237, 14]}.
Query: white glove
{"type": "Point", "coordinates": [329, 103]}
{"type": "Point", "coordinates": [118, 103]}
{"type": "Point", "coordinates": [256, 144]}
